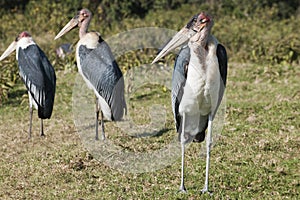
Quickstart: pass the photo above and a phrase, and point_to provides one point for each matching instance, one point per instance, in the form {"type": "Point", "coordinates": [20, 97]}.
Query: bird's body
{"type": "Point", "coordinates": [100, 71]}
{"type": "Point", "coordinates": [199, 89]}
{"type": "Point", "coordinates": [198, 83]}
{"type": "Point", "coordinates": [39, 77]}
{"type": "Point", "coordinates": [37, 74]}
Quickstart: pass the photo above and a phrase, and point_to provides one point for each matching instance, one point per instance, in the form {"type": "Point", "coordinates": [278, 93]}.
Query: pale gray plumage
{"type": "Point", "coordinates": [100, 68]}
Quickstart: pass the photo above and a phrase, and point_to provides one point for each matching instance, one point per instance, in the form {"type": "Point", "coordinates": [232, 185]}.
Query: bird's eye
{"type": "Point", "coordinates": [203, 20]}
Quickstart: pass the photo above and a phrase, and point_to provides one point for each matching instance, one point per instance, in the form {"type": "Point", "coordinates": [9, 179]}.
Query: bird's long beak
{"type": "Point", "coordinates": [9, 50]}
{"type": "Point", "coordinates": [69, 26]}
{"type": "Point", "coordinates": [180, 38]}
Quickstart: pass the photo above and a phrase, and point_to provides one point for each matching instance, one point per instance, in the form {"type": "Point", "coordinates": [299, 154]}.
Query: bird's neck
{"type": "Point", "coordinates": [24, 43]}
{"type": "Point", "coordinates": [201, 38]}
{"type": "Point", "coordinates": [83, 28]}
{"type": "Point", "coordinates": [200, 50]}
{"type": "Point", "coordinates": [90, 40]}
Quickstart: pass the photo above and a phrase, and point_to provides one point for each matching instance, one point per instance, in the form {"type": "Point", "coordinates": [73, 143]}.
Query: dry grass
{"type": "Point", "coordinates": [256, 157]}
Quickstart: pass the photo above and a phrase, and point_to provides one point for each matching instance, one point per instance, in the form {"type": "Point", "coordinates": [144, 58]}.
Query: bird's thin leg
{"type": "Point", "coordinates": [102, 126]}
{"type": "Point", "coordinates": [182, 141]}
{"type": "Point", "coordinates": [30, 120]}
{"type": "Point", "coordinates": [208, 145]}
{"type": "Point", "coordinates": [97, 117]}
{"type": "Point", "coordinates": [42, 128]}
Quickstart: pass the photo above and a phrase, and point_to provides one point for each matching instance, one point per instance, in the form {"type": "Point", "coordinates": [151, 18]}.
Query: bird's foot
{"type": "Point", "coordinates": [205, 190]}
{"type": "Point", "coordinates": [182, 189]}
{"type": "Point", "coordinates": [103, 131]}
{"type": "Point", "coordinates": [103, 138]}
{"type": "Point", "coordinates": [42, 134]}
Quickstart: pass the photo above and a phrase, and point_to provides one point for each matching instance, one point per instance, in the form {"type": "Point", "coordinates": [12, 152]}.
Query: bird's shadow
{"type": "Point", "coordinates": [86, 127]}
{"type": "Point", "coordinates": [152, 134]}
{"type": "Point", "coordinates": [140, 97]}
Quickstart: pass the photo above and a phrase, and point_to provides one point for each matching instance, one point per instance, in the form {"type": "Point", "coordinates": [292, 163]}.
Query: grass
{"type": "Point", "coordinates": [256, 156]}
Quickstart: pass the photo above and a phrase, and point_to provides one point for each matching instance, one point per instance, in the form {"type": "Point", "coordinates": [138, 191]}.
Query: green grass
{"type": "Point", "coordinates": [256, 156]}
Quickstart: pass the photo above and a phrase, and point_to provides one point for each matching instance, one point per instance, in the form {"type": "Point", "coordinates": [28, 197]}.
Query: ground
{"type": "Point", "coordinates": [256, 155]}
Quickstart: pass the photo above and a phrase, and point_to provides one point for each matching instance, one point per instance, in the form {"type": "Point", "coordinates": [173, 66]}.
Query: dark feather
{"type": "Point", "coordinates": [222, 59]}
{"type": "Point", "coordinates": [192, 21]}
{"type": "Point", "coordinates": [223, 62]}
{"type": "Point", "coordinates": [39, 77]}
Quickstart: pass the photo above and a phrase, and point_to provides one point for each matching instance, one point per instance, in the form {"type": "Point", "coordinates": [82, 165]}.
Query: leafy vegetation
{"type": "Point", "coordinates": [258, 32]}
{"type": "Point", "coordinates": [256, 156]}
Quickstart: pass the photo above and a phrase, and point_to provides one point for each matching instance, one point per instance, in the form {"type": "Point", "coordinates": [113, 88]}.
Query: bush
{"type": "Point", "coordinates": [264, 31]}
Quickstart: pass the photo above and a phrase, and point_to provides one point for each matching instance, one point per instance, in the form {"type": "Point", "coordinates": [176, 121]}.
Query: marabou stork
{"type": "Point", "coordinates": [198, 83]}
{"type": "Point", "coordinates": [99, 69]}
{"type": "Point", "coordinates": [37, 74]}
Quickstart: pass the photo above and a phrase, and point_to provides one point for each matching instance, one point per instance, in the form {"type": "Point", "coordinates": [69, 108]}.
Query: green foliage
{"type": "Point", "coordinates": [8, 78]}
{"type": "Point", "coordinates": [252, 31]}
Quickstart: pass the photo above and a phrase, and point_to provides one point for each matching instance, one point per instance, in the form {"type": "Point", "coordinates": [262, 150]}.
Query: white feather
{"type": "Point", "coordinates": [201, 90]}
{"type": "Point", "coordinates": [24, 43]}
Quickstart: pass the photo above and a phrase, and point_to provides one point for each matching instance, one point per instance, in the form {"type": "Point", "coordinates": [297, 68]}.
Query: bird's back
{"type": "Point", "coordinates": [99, 67]}
{"type": "Point", "coordinates": [39, 77]}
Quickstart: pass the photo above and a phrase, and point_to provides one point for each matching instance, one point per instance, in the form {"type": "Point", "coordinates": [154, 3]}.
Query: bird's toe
{"type": "Point", "coordinates": [206, 191]}
{"type": "Point", "coordinates": [182, 189]}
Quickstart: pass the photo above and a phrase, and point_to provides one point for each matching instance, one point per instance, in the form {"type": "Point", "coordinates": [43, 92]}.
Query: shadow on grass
{"type": "Point", "coordinates": [146, 96]}
{"type": "Point", "coordinates": [152, 134]}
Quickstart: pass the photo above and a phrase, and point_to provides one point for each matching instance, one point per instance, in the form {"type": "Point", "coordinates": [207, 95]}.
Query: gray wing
{"type": "Point", "coordinates": [100, 68]}
{"type": "Point", "coordinates": [39, 77]}
{"type": "Point", "coordinates": [178, 82]}
{"type": "Point", "coordinates": [223, 63]}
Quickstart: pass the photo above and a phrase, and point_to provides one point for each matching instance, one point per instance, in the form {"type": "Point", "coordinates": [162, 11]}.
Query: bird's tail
{"type": "Point", "coordinates": [45, 111]}
{"type": "Point", "coordinates": [200, 136]}
{"type": "Point", "coordinates": [118, 104]}
{"type": "Point", "coordinates": [119, 111]}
